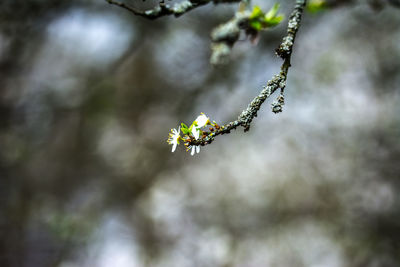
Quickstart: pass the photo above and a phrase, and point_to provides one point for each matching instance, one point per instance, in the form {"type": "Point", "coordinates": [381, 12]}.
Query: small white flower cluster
{"type": "Point", "coordinates": [194, 131]}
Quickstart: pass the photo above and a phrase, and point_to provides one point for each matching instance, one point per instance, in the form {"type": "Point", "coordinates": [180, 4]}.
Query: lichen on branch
{"type": "Point", "coordinates": [245, 20]}
{"type": "Point", "coordinates": [165, 9]}
{"type": "Point", "coordinates": [224, 36]}
{"type": "Point", "coordinates": [278, 81]}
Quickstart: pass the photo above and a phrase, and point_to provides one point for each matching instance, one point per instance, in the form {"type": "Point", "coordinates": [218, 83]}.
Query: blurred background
{"type": "Point", "coordinates": [89, 93]}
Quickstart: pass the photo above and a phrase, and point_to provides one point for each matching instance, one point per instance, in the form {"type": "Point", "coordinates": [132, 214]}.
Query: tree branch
{"type": "Point", "coordinates": [164, 9]}
{"type": "Point", "coordinates": [277, 82]}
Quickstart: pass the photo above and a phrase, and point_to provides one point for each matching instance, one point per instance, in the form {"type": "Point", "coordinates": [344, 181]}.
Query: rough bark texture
{"type": "Point", "coordinates": [277, 82]}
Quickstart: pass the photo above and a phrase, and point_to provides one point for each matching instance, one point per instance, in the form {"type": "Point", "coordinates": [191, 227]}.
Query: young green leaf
{"type": "Point", "coordinates": [256, 13]}
{"type": "Point", "coordinates": [274, 21]}
{"type": "Point", "coordinates": [272, 12]}
{"type": "Point", "coordinates": [259, 21]}
{"type": "Point", "coordinates": [185, 129]}
{"type": "Point", "coordinates": [315, 6]}
{"type": "Point", "coordinates": [256, 25]}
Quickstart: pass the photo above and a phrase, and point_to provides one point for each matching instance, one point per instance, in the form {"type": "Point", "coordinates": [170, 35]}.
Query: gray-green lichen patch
{"type": "Point", "coordinates": [225, 36]}
{"type": "Point", "coordinates": [277, 82]}
{"type": "Point", "coordinates": [220, 53]}
{"type": "Point", "coordinates": [182, 7]}
{"type": "Point", "coordinates": [227, 32]}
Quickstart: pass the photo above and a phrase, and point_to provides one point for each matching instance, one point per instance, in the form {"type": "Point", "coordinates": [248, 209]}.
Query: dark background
{"type": "Point", "coordinates": [89, 92]}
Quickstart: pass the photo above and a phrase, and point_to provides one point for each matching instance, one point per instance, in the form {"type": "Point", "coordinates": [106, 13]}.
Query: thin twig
{"type": "Point", "coordinates": [131, 9]}
{"type": "Point", "coordinates": [164, 9]}
{"type": "Point", "coordinates": [277, 82]}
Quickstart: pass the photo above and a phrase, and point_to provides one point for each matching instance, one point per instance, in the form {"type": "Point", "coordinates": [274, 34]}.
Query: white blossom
{"type": "Point", "coordinates": [202, 120]}
{"type": "Point", "coordinates": [196, 134]}
{"type": "Point", "coordinates": [174, 138]}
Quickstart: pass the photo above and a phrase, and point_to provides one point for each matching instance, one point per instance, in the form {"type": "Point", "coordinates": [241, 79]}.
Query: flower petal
{"type": "Point", "coordinates": [196, 132]}
{"type": "Point", "coordinates": [174, 147]}
{"type": "Point", "coordinates": [202, 120]}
